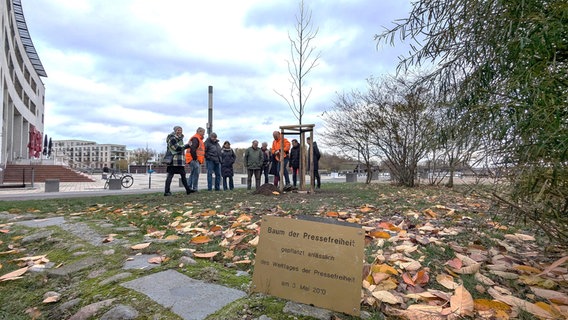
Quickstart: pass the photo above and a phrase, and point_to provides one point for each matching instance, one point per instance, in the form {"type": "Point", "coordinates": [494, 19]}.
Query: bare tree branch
{"type": "Point", "coordinates": [304, 59]}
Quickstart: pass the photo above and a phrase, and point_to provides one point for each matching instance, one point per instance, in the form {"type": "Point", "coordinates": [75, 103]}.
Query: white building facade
{"type": "Point", "coordinates": [22, 92]}
{"type": "Point", "coordinates": [82, 154]}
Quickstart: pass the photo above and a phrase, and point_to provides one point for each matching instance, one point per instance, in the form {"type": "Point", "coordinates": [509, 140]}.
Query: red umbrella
{"type": "Point", "coordinates": [50, 145]}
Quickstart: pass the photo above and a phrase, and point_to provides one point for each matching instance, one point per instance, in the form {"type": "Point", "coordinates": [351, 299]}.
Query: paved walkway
{"type": "Point", "coordinates": [189, 298]}
{"type": "Point", "coordinates": [143, 183]}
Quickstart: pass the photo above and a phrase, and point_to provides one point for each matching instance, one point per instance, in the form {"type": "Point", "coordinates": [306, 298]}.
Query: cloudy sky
{"type": "Point", "coordinates": [127, 71]}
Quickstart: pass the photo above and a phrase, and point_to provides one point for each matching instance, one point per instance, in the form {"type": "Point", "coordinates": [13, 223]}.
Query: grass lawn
{"type": "Point", "coordinates": [429, 251]}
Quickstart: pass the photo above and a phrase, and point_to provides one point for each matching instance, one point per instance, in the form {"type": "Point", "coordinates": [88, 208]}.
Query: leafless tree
{"type": "Point", "coordinates": [345, 129]}
{"type": "Point", "coordinates": [458, 137]}
{"type": "Point", "coordinates": [393, 121]}
{"type": "Point", "coordinates": [304, 59]}
{"type": "Point", "coordinates": [401, 125]}
{"type": "Point", "coordinates": [141, 156]}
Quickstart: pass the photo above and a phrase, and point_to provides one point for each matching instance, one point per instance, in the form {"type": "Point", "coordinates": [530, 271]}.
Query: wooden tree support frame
{"type": "Point", "coordinates": [299, 130]}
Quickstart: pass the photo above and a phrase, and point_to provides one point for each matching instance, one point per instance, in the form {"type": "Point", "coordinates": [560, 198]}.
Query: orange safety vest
{"type": "Point", "coordinates": [200, 151]}
{"type": "Point", "coordinates": [276, 147]}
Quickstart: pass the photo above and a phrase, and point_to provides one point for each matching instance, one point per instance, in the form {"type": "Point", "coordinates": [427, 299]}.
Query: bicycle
{"type": "Point", "coordinates": [126, 179]}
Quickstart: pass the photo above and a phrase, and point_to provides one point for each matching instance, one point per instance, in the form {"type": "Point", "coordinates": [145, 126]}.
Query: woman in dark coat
{"type": "Point", "coordinates": [175, 145]}
{"type": "Point", "coordinates": [228, 158]}
{"type": "Point", "coordinates": [295, 160]}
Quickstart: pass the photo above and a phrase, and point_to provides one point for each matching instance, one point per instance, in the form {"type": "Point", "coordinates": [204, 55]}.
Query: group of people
{"type": "Point", "coordinates": [219, 160]}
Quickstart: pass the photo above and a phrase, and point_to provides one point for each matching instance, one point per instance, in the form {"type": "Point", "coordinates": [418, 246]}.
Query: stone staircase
{"type": "Point", "coordinates": [14, 173]}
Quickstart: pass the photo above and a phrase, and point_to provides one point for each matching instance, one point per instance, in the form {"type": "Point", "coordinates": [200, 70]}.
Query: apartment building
{"type": "Point", "coordinates": [82, 154]}
{"type": "Point", "coordinates": [22, 92]}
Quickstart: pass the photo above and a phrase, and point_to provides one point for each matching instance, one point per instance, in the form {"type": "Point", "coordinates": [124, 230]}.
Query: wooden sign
{"type": "Point", "coordinates": [310, 262]}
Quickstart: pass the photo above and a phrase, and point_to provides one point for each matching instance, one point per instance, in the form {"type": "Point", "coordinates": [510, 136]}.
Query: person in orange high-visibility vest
{"type": "Point", "coordinates": [278, 140]}
{"type": "Point", "coordinates": [195, 157]}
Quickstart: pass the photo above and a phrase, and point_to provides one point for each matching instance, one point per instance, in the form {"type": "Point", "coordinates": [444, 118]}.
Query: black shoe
{"type": "Point", "coordinates": [167, 194]}
{"type": "Point", "coordinates": [190, 191]}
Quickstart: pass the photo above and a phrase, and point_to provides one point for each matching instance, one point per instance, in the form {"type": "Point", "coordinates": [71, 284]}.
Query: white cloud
{"type": "Point", "coordinates": [127, 71]}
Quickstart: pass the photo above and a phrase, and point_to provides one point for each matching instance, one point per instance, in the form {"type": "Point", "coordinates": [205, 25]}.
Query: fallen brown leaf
{"type": "Point", "coordinates": [447, 281]}
{"type": "Point", "coordinates": [157, 260]}
{"type": "Point", "coordinates": [551, 295]}
{"type": "Point", "coordinates": [200, 239]}
{"type": "Point", "coordinates": [557, 263]}
{"type": "Point", "coordinates": [14, 274]}
{"type": "Point", "coordinates": [140, 246]}
{"type": "Point", "coordinates": [520, 303]}
{"type": "Point", "coordinates": [461, 302]}
{"type": "Point", "coordinates": [205, 255]}
{"type": "Point", "coordinates": [387, 297]}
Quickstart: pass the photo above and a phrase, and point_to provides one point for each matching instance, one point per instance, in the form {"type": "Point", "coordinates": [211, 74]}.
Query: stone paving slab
{"type": "Point", "coordinates": [41, 223]}
{"type": "Point", "coordinates": [67, 270]}
{"type": "Point", "coordinates": [189, 298]}
{"type": "Point", "coordinates": [140, 262]}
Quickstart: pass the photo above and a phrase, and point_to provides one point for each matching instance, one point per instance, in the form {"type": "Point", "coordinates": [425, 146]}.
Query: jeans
{"type": "Point", "coordinates": [265, 170]}
{"type": "Point", "coordinates": [286, 176]}
{"type": "Point", "coordinates": [231, 183]}
{"type": "Point", "coordinates": [195, 167]}
{"type": "Point", "coordinates": [295, 175]}
{"type": "Point", "coordinates": [213, 168]}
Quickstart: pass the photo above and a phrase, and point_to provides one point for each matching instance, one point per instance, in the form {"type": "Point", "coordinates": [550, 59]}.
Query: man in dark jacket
{"type": "Point", "coordinates": [295, 160]}
{"type": "Point", "coordinates": [266, 159]}
{"type": "Point", "coordinates": [316, 163]}
{"type": "Point", "coordinates": [213, 161]}
{"type": "Point", "coordinates": [253, 162]}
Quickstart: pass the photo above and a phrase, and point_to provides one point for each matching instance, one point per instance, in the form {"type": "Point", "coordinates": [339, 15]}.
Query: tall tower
{"type": "Point", "coordinates": [210, 113]}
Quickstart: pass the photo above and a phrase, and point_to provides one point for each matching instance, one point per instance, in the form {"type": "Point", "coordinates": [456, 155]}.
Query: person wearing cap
{"type": "Point", "coordinates": [228, 158]}
{"type": "Point", "coordinates": [175, 145]}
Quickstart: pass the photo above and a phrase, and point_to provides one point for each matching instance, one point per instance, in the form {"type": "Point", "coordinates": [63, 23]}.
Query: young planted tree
{"type": "Point", "coordinates": [304, 59]}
